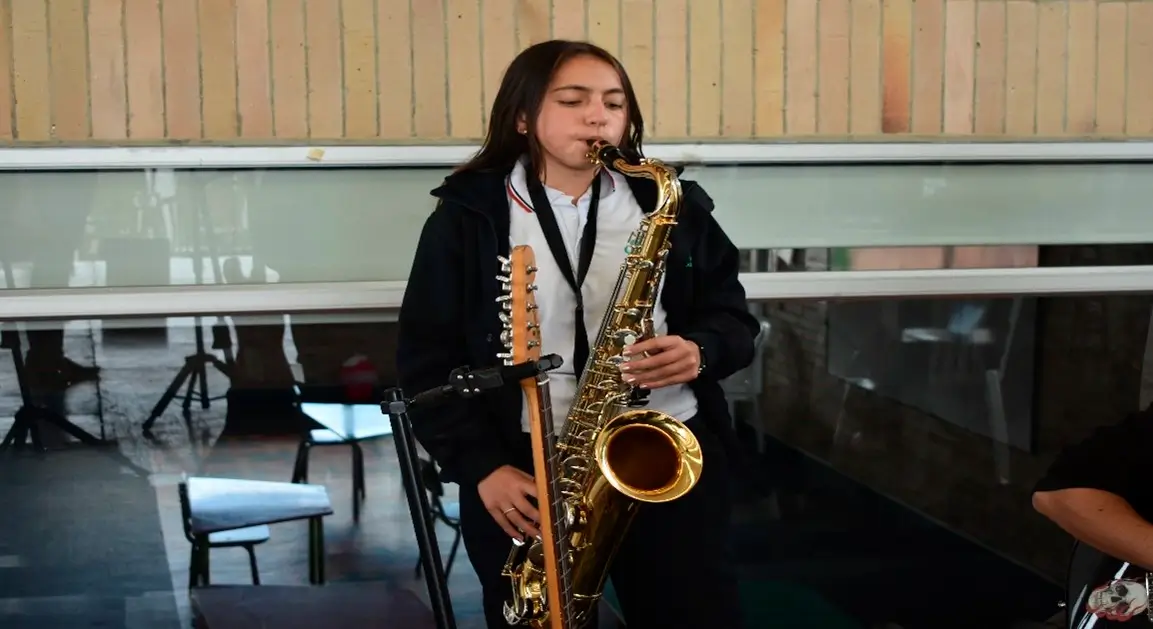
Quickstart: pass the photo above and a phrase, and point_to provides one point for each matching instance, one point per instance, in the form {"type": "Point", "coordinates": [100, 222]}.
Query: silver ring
{"type": "Point", "coordinates": [506, 511]}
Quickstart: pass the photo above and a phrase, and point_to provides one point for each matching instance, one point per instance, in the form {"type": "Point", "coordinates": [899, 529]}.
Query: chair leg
{"type": "Point", "coordinates": [357, 481]}
{"type": "Point", "coordinates": [198, 566]}
{"type": "Point", "coordinates": [360, 471]}
{"type": "Point", "coordinates": [300, 469]}
{"type": "Point", "coordinates": [252, 564]}
{"type": "Point", "coordinates": [193, 568]}
{"type": "Point", "coordinates": [452, 554]}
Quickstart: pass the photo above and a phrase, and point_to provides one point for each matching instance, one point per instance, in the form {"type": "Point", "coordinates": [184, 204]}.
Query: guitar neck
{"type": "Point", "coordinates": [545, 464]}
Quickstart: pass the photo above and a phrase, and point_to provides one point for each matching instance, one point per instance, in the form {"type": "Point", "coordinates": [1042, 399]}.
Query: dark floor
{"type": "Point", "coordinates": [87, 541]}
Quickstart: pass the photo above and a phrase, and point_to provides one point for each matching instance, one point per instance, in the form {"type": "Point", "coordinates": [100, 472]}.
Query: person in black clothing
{"type": "Point", "coordinates": [1100, 490]}
{"type": "Point", "coordinates": [674, 568]}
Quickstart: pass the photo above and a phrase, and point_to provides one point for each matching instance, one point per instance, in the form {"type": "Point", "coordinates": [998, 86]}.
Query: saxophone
{"type": "Point", "coordinates": [613, 454]}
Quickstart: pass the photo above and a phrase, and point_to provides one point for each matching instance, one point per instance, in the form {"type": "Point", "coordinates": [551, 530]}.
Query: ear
{"type": "Point", "coordinates": [521, 124]}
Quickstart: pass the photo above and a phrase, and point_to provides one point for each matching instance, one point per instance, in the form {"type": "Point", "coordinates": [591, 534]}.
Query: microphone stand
{"type": "Point", "coordinates": [463, 383]}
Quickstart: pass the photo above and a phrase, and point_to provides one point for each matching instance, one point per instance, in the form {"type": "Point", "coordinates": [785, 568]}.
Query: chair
{"type": "Point", "coordinates": [747, 384]}
{"type": "Point", "coordinates": [246, 538]}
{"type": "Point", "coordinates": [324, 437]}
{"type": "Point", "coordinates": [344, 425]}
{"type": "Point", "coordinates": [445, 513]}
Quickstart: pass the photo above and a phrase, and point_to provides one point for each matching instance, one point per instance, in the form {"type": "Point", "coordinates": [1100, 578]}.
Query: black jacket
{"type": "Point", "coordinates": [449, 316]}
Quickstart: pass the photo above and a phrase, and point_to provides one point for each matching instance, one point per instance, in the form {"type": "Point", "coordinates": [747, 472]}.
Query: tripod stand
{"type": "Point", "coordinates": [27, 422]}
{"type": "Point", "coordinates": [195, 369]}
{"type": "Point", "coordinates": [462, 383]}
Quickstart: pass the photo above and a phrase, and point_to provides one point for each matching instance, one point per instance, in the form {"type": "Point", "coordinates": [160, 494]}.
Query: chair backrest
{"type": "Point", "coordinates": [747, 383]}
{"type": "Point", "coordinates": [185, 511]}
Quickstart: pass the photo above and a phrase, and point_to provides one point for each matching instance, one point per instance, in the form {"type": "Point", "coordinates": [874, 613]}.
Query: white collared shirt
{"type": "Point", "coordinates": [618, 215]}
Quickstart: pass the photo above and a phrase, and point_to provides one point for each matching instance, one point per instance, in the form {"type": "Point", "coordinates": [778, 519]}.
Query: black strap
{"type": "Point", "coordinates": [548, 224]}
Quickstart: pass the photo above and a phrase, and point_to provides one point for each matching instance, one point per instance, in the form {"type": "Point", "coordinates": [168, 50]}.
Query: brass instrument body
{"type": "Point", "coordinates": [614, 455]}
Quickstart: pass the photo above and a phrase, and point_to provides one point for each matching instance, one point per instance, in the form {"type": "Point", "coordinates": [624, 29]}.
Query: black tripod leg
{"type": "Point", "coordinates": [201, 367]}
{"type": "Point", "coordinates": [67, 426]}
{"type": "Point", "coordinates": [193, 379]}
{"type": "Point", "coordinates": [17, 434]}
{"type": "Point", "coordinates": [173, 389]}
{"type": "Point", "coordinates": [423, 526]}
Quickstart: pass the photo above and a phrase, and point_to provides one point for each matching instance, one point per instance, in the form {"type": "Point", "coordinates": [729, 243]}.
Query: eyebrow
{"type": "Point", "coordinates": [584, 88]}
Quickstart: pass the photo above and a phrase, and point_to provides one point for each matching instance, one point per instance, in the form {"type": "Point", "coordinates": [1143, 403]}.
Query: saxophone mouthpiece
{"type": "Point", "coordinates": [604, 154]}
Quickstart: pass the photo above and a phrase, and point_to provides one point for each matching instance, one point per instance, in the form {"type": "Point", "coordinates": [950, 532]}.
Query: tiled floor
{"type": "Point", "coordinates": [87, 542]}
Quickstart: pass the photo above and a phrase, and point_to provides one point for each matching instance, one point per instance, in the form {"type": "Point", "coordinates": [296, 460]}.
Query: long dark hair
{"type": "Point", "coordinates": [521, 92]}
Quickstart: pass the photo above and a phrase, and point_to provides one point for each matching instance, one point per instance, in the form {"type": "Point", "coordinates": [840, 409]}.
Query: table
{"type": "Point", "coordinates": [222, 504]}
{"type": "Point", "coordinates": [344, 605]}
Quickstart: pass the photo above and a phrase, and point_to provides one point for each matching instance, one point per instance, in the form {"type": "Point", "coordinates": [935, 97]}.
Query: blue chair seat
{"type": "Point", "coordinates": [241, 537]}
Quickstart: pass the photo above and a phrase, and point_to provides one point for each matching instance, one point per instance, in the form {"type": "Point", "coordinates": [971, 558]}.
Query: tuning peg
{"type": "Point", "coordinates": [506, 357]}
{"type": "Point", "coordinates": [506, 338]}
{"type": "Point", "coordinates": [505, 264]}
{"type": "Point", "coordinates": [505, 319]}
{"type": "Point", "coordinates": [503, 298]}
{"type": "Point", "coordinates": [504, 279]}
{"type": "Point", "coordinates": [530, 269]}
{"type": "Point", "coordinates": [533, 344]}
{"type": "Point", "coordinates": [532, 288]}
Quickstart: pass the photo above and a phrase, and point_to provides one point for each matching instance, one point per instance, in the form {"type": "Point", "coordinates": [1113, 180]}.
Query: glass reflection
{"type": "Point", "coordinates": [867, 471]}
{"type": "Point", "coordinates": [161, 227]}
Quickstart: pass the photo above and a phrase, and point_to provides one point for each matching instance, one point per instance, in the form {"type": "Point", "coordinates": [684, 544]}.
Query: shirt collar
{"type": "Point", "coordinates": [518, 186]}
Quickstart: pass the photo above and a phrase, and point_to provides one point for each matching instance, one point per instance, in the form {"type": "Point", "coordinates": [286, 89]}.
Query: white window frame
{"type": "Point", "coordinates": [385, 296]}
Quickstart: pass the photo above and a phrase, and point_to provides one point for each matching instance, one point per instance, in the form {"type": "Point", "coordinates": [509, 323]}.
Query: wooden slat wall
{"type": "Point", "coordinates": [156, 71]}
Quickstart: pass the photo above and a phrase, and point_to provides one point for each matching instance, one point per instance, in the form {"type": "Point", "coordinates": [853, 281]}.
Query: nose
{"type": "Point", "coordinates": [597, 114]}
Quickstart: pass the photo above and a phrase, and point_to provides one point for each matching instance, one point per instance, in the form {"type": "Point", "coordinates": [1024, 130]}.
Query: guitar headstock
{"type": "Point", "coordinates": [520, 324]}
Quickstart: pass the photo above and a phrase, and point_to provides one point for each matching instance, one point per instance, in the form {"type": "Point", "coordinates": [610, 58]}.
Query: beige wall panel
{"type": "Point", "coordinates": [897, 65]}
{"type": "Point", "coordinates": [68, 60]}
{"type": "Point", "coordinates": [144, 61]}
{"type": "Point", "coordinates": [801, 57]}
{"type": "Point", "coordinates": [326, 67]}
{"type": "Point", "coordinates": [109, 100]}
{"type": "Point", "coordinates": [180, 34]}
{"type": "Point", "coordinates": [1053, 66]}
{"type": "Point", "coordinates": [394, 66]}
{"type": "Point", "coordinates": [636, 43]}
{"type": "Point", "coordinates": [218, 68]}
{"type": "Point", "coordinates": [834, 19]}
{"type": "Point", "coordinates": [928, 61]}
{"type": "Point", "coordinates": [989, 104]}
{"type": "Point", "coordinates": [30, 72]}
{"type": "Point", "coordinates": [1021, 68]}
{"type": "Point", "coordinates": [358, 30]}
{"type": "Point", "coordinates": [225, 71]}
{"type": "Point", "coordinates": [604, 23]}
{"type": "Point", "coordinates": [254, 69]}
{"type": "Point", "coordinates": [769, 68]}
{"type": "Point", "coordinates": [6, 100]}
{"type": "Point", "coordinates": [865, 68]}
